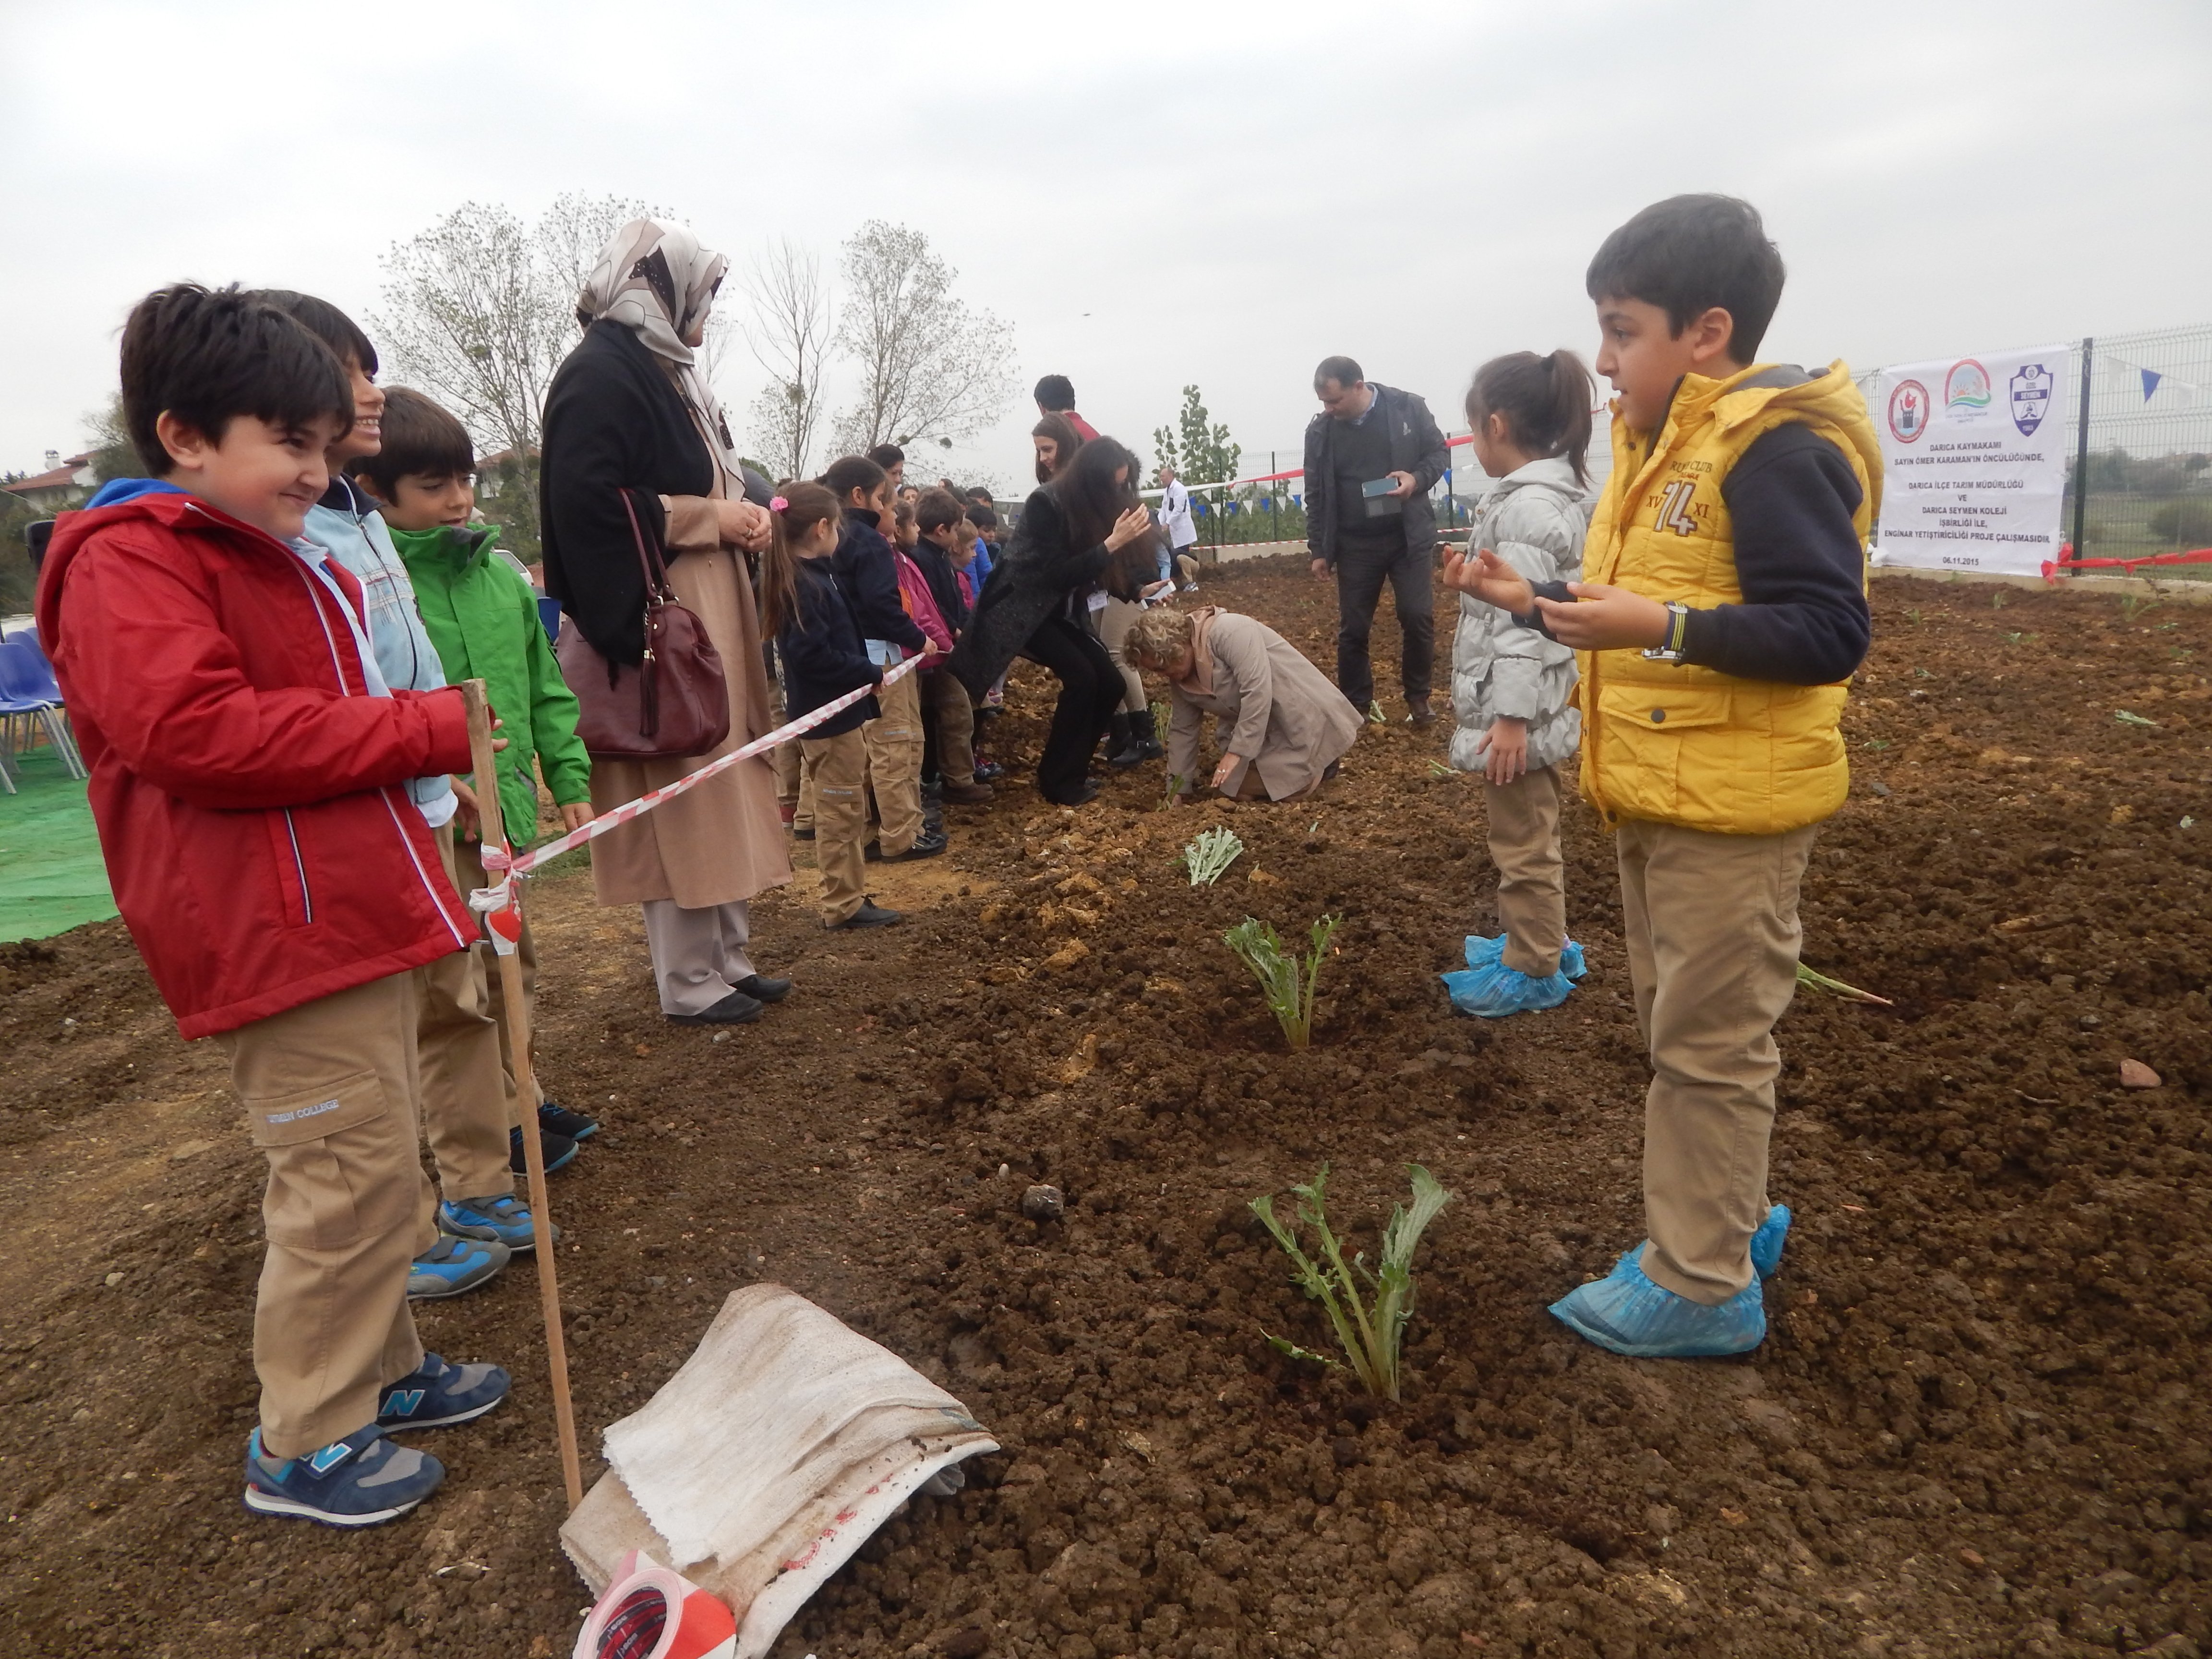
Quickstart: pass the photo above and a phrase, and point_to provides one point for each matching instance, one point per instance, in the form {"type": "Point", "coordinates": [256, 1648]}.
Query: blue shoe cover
{"type": "Point", "coordinates": [1625, 1312]}
{"type": "Point", "coordinates": [1766, 1242]}
{"type": "Point", "coordinates": [1488, 987]}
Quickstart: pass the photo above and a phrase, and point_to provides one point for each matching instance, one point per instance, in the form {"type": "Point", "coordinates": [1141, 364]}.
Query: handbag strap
{"type": "Point", "coordinates": [649, 557]}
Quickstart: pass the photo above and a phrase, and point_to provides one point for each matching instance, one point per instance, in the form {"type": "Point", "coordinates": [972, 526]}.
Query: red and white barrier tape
{"type": "Point", "coordinates": [496, 902]}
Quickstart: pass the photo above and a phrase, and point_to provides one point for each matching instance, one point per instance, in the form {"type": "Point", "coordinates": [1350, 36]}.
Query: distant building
{"type": "Point", "coordinates": [63, 485]}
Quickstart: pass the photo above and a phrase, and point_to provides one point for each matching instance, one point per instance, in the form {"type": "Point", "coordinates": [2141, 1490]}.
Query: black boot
{"type": "Point", "coordinates": [1148, 734]}
{"type": "Point", "coordinates": [1122, 750]}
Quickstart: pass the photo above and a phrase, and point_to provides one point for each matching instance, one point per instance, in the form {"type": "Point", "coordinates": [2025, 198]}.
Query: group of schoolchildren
{"type": "Point", "coordinates": [863, 573]}
{"type": "Point", "coordinates": [260, 641]}
{"type": "Point", "coordinates": [1691, 632]}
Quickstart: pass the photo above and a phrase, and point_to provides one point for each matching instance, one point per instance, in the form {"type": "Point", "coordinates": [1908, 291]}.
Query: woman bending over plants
{"type": "Point", "coordinates": [1286, 727]}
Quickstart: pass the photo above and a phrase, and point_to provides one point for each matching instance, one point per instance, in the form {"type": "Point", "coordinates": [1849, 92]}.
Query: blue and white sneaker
{"type": "Point", "coordinates": [1766, 1243]}
{"type": "Point", "coordinates": [363, 1480]}
{"type": "Point", "coordinates": [437, 1395]}
{"type": "Point", "coordinates": [453, 1267]}
{"type": "Point", "coordinates": [501, 1220]}
{"type": "Point", "coordinates": [1627, 1313]}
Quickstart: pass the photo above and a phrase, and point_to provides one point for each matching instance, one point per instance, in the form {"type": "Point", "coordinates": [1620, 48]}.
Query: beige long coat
{"type": "Point", "coordinates": [722, 842]}
{"type": "Point", "coordinates": [1280, 713]}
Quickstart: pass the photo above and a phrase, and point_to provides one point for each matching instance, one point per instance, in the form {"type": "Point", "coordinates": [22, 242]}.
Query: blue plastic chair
{"type": "Point", "coordinates": [29, 690]}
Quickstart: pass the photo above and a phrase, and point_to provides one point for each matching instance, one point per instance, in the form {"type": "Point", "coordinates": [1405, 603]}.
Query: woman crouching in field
{"type": "Point", "coordinates": [1287, 725]}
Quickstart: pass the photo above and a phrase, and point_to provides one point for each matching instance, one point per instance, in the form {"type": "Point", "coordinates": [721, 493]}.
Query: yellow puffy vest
{"type": "Point", "coordinates": [1689, 745]}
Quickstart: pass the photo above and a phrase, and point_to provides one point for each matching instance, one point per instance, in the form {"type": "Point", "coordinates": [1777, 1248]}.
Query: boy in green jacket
{"type": "Point", "coordinates": [481, 614]}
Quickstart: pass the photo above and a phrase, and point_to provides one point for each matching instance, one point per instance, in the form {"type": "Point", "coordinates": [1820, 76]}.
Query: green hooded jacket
{"type": "Point", "coordinates": [481, 615]}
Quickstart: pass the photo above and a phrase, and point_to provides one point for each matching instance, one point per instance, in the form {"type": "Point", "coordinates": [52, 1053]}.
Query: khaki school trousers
{"type": "Point", "coordinates": [465, 1091]}
{"type": "Point", "coordinates": [952, 716]}
{"type": "Point", "coordinates": [894, 741]}
{"type": "Point", "coordinates": [333, 1099]}
{"type": "Point", "coordinates": [1532, 887]}
{"type": "Point", "coordinates": [1114, 623]}
{"type": "Point", "coordinates": [469, 855]}
{"type": "Point", "coordinates": [1710, 923]}
{"type": "Point", "coordinates": [838, 767]}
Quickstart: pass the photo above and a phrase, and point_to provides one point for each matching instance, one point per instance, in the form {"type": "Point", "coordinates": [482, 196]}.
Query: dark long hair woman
{"type": "Point", "coordinates": [1056, 441]}
{"type": "Point", "coordinates": [1084, 528]}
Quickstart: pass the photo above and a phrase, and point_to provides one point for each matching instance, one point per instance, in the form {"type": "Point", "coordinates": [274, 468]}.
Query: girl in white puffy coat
{"type": "Point", "coordinates": [1513, 688]}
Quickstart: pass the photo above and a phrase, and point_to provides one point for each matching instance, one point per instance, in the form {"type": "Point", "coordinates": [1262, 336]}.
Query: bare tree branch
{"type": "Point", "coordinates": [929, 366]}
{"type": "Point", "coordinates": [790, 334]}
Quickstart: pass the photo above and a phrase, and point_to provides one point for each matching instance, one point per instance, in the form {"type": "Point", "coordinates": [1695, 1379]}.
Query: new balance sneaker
{"type": "Point", "coordinates": [559, 1150]}
{"type": "Point", "coordinates": [1628, 1314]}
{"type": "Point", "coordinates": [555, 1119]}
{"type": "Point", "coordinates": [453, 1267]}
{"type": "Point", "coordinates": [1766, 1243]}
{"type": "Point", "coordinates": [363, 1480]}
{"type": "Point", "coordinates": [502, 1220]}
{"type": "Point", "coordinates": [437, 1395]}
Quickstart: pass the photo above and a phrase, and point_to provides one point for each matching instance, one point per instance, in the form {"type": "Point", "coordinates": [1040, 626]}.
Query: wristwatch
{"type": "Point", "coordinates": [1678, 623]}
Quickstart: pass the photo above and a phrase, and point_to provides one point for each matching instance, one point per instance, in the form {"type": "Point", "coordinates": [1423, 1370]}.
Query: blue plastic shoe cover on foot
{"type": "Point", "coordinates": [1625, 1312]}
{"type": "Point", "coordinates": [1488, 987]}
{"type": "Point", "coordinates": [1766, 1242]}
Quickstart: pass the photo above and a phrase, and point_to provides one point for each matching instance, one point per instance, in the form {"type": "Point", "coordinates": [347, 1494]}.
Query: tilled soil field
{"type": "Point", "coordinates": [1980, 1425]}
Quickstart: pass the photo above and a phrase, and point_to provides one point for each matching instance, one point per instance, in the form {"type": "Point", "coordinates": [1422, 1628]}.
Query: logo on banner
{"type": "Point", "coordinates": [1967, 386]}
{"type": "Point", "coordinates": [1908, 411]}
{"type": "Point", "coordinates": [2031, 398]}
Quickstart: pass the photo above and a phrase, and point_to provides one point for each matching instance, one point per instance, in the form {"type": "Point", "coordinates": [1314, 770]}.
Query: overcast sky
{"type": "Point", "coordinates": [1150, 193]}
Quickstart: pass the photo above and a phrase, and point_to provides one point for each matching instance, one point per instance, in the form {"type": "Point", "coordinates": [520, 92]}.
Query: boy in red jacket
{"type": "Point", "coordinates": [247, 762]}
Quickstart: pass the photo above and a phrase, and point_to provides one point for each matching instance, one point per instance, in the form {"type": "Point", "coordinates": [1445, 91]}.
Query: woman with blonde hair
{"type": "Point", "coordinates": [636, 445]}
{"type": "Point", "coordinates": [1286, 724]}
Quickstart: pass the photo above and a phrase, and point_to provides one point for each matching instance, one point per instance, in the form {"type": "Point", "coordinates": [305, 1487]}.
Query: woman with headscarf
{"type": "Point", "coordinates": [631, 430]}
{"type": "Point", "coordinates": [1085, 527]}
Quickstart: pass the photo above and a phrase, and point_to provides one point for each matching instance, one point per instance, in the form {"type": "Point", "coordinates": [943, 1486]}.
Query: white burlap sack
{"type": "Point", "coordinates": [783, 1443]}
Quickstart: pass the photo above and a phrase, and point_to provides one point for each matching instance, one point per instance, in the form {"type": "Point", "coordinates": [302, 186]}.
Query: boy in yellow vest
{"type": "Point", "coordinates": [1724, 609]}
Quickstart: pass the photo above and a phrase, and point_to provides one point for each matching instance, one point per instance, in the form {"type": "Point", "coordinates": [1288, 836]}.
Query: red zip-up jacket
{"type": "Point", "coordinates": [244, 781]}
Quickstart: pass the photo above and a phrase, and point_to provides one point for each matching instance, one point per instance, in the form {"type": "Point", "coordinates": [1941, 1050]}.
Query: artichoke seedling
{"type": "Point", "coordinates": [1290, 993]}
{"type": "Point", "coordinates": [1370, 1333]}
{"type": "Point", "coordinates": [1209, 856]}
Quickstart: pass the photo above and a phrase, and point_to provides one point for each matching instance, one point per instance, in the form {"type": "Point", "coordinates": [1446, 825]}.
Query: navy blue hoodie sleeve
{"type": "Point", "coordinates": [863, 558]}
{"type": "Point", "coordinates": [1804, 619]}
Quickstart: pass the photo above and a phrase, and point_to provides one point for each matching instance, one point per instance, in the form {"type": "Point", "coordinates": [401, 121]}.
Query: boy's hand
{"type": "Point", "coordinates": [1605, 619]}
{"type": "Point", "coordinates": [1504, 748]}
{"type": "Point", "coordinates": [575, 816]}
{"type": "Point", "coordinates": [1229, 764]}
{"type": "Point", "coordinates": [1489, 579]}
{"type": "Point", "coordinates": [468, 819]}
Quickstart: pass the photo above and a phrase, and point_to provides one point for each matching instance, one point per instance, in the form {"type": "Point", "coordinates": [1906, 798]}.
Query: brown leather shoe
{"type": "Point", "coordinates": [967, 794]}
{"type": "Point", "coordinates": [1421, 714]}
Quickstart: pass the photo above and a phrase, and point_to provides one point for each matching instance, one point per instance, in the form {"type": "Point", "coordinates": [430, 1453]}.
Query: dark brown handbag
{"type": "Point", "coordinates": [673, 704]}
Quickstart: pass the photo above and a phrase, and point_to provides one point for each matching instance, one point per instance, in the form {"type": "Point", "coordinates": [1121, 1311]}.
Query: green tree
{"type": "Point", "coordinates": [1200, 449]}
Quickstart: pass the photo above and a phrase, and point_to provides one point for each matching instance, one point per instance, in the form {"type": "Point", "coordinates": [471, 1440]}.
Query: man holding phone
{"type": "Point", "coordinates": [1371, 456]}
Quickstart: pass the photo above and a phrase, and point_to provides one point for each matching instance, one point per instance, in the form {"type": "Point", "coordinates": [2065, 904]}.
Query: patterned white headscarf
{"type": "Point", "coordinates": [656, 279]}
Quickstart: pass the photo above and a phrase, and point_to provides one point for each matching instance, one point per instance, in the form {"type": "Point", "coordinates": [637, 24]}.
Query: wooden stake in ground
{"type": "Point", "coordinates": [534, 1148]}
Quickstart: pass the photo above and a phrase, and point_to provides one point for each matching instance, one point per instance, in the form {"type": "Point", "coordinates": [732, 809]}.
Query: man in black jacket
{"type": "Point", "coordinates": [1372, 455]}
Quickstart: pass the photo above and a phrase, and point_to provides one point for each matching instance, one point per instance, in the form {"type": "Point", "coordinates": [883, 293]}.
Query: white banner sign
{"type": "Point", "coordinates": [1973, 451]}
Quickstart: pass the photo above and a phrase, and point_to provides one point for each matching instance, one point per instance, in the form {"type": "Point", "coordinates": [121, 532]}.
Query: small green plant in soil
{"type": "Point", "coordinates": [1289, 991]}
{"type": "Point", "coordinates": [1161, 714]}
{"type": "Point", "coordinates": [1210, 855]}
{"type": "Point", "coordinates": [1999, 600]}
{"type": "Point", "coordinates": [1176, 784]}
{"type": "Point", "coordinates": [2128, 717]}
{"type": "Point", "coordinates": [1370, 1333]}
{"type": "Point", "coordinates": [1438, 770]}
